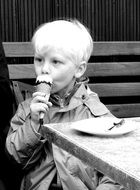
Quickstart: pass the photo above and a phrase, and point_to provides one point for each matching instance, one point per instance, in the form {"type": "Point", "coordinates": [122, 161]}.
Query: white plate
{"type": "Point", "coordinates": [101, 126]}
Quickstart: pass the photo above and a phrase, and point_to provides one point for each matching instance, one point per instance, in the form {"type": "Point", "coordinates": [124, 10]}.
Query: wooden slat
{"type": "Point", "coordinates": [116, 89]}
{"type": "Point", "coordinates": [116, 48]}
{"type": "Point", "coordinates": [24, 49]}
{"type": "Point", "coordinates": [18, 95]}
{"type": "Point", "coordinates": [125, 110]}
{"type": "Point", "coordinates": [18, 49]}
{"type": "Point", "coordinates": [22, 71]}
{"type": "Point", "coordinates": [22, 91]}
{"type": "Point", "coordinates": [25, 87]}
{"type": "Point", "coordinates": [113, 69]}
{"type": "Point", "coordinates": [26, 71]}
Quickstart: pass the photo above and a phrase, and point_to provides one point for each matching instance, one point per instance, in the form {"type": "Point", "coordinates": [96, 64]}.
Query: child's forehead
{"type": "Point", "coordinates": [57, 40]}
{"type": "Point", "coordinates": [54, 51]}
{"type": "Point", "coordinates": [58, 46]}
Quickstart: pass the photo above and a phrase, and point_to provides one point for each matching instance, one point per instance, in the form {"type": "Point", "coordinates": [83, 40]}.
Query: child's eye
{"type": "Point", "coordinates": [56, 62]}
{"type": "Point", "coordinates": [37, 59]}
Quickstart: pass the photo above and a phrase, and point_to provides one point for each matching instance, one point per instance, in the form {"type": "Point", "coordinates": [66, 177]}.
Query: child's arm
{"type": "Point", "coordinates": [23, 142]}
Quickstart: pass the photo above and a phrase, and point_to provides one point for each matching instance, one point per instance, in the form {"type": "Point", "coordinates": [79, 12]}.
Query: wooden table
{"type": "Point", "coordinates": [118, 158]}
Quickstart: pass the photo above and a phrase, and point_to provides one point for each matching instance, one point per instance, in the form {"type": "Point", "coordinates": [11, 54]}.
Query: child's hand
{"type": "Point", "coordinates": [38, 104]}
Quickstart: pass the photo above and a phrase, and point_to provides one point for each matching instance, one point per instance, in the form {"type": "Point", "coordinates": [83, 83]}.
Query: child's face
{"type": "Point", "coordinates": [57, 64]}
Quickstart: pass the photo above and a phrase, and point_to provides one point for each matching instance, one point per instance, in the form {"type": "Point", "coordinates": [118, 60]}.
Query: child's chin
{"type": "Point", "coordinates": [58, 92]}
{"type": "Point", "coordinates": [54, 91]}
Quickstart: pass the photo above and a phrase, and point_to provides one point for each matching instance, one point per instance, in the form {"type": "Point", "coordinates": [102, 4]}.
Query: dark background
{"type": "Point", "coordinates": [108, 20]}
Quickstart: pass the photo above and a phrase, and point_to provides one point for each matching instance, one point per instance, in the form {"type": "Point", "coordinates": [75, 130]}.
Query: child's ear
{"type": "Point", "coordinates": [81, 68]}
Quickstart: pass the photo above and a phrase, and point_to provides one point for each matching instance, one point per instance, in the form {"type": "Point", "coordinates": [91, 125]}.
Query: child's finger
{"type": "Point", "coordinates": [38, 107]}
{"type": "Point", "coordinates": [43, 107]}
{"type": "Point", "coordinates": [49, 104]}
{"type": "Point", "coordinates": [38, 94]}
{"type": "Point", "coordinates": [38, 98]}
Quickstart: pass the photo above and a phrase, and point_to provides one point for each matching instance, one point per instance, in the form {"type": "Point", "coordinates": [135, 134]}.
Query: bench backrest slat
{"type": "Point", "coordinates": [116, 89]}
{"type": "Point", "coordinates": [24, 49]}
{"type": "Point", "coordinates": [18, 49]}
{"type": "Point", "coordinates": [103, 89]}
{"type": "Point", "coordinates": [116, 48]}
{"type": "Point", "coordinates": [113, 69]}
{"type": "Point", "coordinates": [23, 71]}
{"type": "Point", "coordinates": [125, 110]}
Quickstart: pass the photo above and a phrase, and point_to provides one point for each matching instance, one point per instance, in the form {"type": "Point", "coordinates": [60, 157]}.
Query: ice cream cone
{"type": "Point", "coordinates": [44, 84]}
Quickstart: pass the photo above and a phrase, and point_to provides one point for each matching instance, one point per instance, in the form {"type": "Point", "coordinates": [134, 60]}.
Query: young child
{"type": "Point", "coordinates": [62, 49]}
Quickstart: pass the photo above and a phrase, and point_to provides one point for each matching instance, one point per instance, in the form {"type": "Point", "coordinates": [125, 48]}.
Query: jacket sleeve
{"type": "Point", "coordinates": [108, 184]}
{"type": "Point", "coordinates": [23, 143]}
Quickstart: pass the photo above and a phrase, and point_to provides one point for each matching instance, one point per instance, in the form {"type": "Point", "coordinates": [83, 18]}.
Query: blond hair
{"type": "Point", "coordinates": [70, 36]}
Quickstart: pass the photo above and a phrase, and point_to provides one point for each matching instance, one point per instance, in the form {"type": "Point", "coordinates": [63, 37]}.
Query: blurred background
{"type": "Point", "coordinates": [108, 20]}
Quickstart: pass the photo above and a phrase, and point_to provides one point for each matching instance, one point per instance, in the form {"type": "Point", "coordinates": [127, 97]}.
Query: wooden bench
{"type": "Point", "coordinates": [113, 70]}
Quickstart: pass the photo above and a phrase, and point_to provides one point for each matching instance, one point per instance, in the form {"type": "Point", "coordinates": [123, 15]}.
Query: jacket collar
{"type": "Point", "coordinates": [76, 100]}
{"type": "Point", "coordinates": [62, 102]}
{"type": "Point", "coordinates": [90, 99]}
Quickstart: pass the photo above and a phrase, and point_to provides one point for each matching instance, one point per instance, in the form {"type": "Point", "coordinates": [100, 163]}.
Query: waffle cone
{"type": "Point", "coordinates": [45, 88]}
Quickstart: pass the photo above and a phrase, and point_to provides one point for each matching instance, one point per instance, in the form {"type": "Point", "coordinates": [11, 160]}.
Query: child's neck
{"type": "Point", "coordinates": [64, 98]}
{"type": "Point", "coordinates": [63, 93]}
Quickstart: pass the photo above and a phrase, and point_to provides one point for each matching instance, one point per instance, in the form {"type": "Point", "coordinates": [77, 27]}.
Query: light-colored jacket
{"type": "Point", "coordinates": [42, 160]}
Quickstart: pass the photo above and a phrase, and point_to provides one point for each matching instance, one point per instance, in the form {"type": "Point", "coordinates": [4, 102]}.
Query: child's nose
{"type": "Point", "coordinates": [46, 68]}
